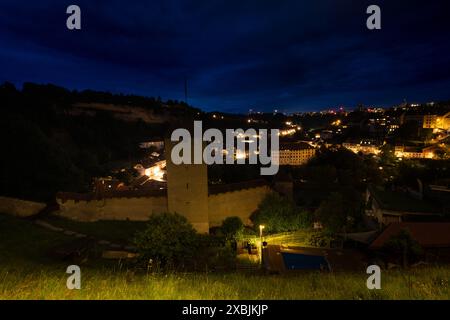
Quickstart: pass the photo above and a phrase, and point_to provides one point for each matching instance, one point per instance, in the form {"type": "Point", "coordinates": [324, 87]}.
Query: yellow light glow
{"type": "Point", "coordinates": [240, 154]}
{"type": "Point", "coordinates": [155, 172]}
{"type": "Point", "coordinates": [336, 123]}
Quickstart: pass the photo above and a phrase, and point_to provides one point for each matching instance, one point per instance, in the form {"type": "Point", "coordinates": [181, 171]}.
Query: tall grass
{"type": "Point", "coordinates": [27, 272]}
{"type": "Point", "coordinates": [430, 283]}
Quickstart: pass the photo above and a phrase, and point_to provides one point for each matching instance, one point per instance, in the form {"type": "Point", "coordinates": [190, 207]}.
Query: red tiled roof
{"type": "Point", "coordinates": [428, 234]}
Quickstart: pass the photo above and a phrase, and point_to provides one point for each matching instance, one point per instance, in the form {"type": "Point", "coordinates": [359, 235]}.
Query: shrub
{"type": "Point", "coordinates": [232, 227]}
{"type": "Point", "coordinates": [168, 239]}
{"type": "Point", "coordinates": [341, 211]}
{"type": "Point", "coordinates": [319, 239]}
{"type": "Point", "coordinates": [403, 245]}
{"type": "Point", "coordinates": [171, 242]}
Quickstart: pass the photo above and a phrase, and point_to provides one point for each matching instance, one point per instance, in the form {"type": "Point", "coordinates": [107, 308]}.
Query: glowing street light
{"type": "Point", "coordinates": [261, 227]}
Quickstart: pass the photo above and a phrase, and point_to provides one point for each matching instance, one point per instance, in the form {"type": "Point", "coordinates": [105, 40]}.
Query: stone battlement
{"type": "Point", "coordinates": [222, 201]}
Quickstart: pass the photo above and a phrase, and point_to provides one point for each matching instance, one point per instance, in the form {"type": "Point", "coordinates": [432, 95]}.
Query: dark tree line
{"type": "Point", "coordinates": [46, 150]}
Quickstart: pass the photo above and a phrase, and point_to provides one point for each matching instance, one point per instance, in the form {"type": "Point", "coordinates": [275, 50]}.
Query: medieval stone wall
{"type": "Point", "coordinates": [129, 208]}
{"type": "Point", "coordinates": [240, 203]}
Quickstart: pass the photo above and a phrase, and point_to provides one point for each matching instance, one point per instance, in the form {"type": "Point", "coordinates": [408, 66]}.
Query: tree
{"type": "Point", "coordinates": [279, 214]}
{"type": "Point", "coordinates": [169, 239]}
{"type": "Point", "coordinates": [404, 244]}
{"type": "Point", "coordinates": [232, 227]}
{"type": "Point", "coordinates": [342, 211]}
{"type": "Point", "coordinates": [332, 213]}
{"type": "Point", "coordinates": [342, 165]}
{"type": "Point", "coordinates": [34, 166]}
{"type": "Point", "coordinates": [387, 155]}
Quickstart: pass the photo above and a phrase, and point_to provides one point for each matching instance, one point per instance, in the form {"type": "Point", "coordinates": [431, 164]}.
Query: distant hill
{"type": "Point", "coordinates": [55, 139]}
{"type": "Point", "coordinates": [48, 95]}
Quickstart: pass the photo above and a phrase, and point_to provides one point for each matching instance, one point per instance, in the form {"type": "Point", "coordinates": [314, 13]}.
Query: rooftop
{"type": "Point", "coordinates": [399, 201]}
{"type": "Point", "coordinates": [295, 146]}
{"type": "Point", "coordinates": [428, 234]}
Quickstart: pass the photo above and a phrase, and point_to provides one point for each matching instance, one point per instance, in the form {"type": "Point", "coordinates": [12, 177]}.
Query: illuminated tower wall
{"type": "Point", "coordinates": [187, 191]}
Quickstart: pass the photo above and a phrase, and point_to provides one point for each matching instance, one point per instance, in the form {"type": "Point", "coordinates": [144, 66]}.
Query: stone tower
{"type": "Point", "coordinates": [187, 190]}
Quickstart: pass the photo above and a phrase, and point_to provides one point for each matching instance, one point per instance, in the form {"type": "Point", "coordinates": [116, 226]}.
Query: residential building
{"type": "Point", "coordinates": [296, 153]}
{"type": "Point", "coordinates": [428, 121]}
{"type": "Point", "coordinates": [365, 146]}
{"type": "Point", "coordinates": [387, 206]}
{"type": "Point", "coordinates": [157, 144]}
{"type": "Point", "coordinates": [432, 237]}
{"type": "Point", "coordinates": [411, 152]}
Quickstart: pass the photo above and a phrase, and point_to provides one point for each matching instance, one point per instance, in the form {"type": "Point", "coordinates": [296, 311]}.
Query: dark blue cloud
{"type": "Point", "coordinates": [292, 55]}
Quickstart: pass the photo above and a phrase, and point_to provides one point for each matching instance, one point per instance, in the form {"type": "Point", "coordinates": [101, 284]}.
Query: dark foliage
{"type": "Point", "coordinates": [404, 247]}
{"type": "Point", "coordinates": [278, 214]}
{"type": "Point", "coordinates": [170, 242]}
{"type": "Point", "coordinates": [47, 149]}
{"type": "Point", "coordinates": [232, 227]}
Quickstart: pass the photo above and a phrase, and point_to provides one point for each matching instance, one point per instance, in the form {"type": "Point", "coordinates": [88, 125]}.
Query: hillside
{"type": "Point", "coordinates": [56, 139]}
{"type": "Point", "coordinates": [29, 271]}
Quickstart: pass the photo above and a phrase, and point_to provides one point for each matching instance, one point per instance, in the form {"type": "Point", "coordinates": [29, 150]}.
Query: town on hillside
{"type": "Point", "coordinates": [221, 155]}
{"type": "Point", "coordinates": [354, 187]}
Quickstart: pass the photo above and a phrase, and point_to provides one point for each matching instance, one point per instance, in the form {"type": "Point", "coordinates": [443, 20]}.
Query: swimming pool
{"type": "Point", "coordinates": [298, 261]}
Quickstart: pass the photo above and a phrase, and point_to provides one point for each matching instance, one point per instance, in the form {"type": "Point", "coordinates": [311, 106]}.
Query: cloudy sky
{"type": "Point", "coordinates": [297, 55]}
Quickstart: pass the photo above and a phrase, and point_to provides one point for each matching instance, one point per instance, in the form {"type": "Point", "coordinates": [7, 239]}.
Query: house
{"type": "Point", "coordinates": [365, 146]}
{"type": "Point", "coordinates": [439, 193]}
{"type": "Point", "coordinates": [151, 168]}
{"type": "Point", "coordinates": [388, 206]}
{"type": "Point", "coordinates": [296, 153]}
{"type": "Point", "coordinates": [414, 152]}
{"type": "Point", "coordinates": [428, 121]}
{"type": "Point", "coordinates": [433, 238]}
{"type": "Point", "coordinates": [157, 144]}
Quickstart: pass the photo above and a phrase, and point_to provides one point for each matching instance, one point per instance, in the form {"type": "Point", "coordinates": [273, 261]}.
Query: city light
{"type": "Point", "coordinates": [131, 184]}
{"type": "Point", "coordinates": [336, 123]}
{"type": "Point", "coordinates": [240, 154]}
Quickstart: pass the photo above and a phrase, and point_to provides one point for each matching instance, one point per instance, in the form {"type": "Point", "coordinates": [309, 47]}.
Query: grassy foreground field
{"type": "Point", "coordinates": [51, 284]}
{"type": "Point", "coordinates": [27, 272]}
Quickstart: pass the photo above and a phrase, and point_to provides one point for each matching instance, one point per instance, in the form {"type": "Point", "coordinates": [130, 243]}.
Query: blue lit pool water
{"type": "Point", "coordinates": [297, 261]}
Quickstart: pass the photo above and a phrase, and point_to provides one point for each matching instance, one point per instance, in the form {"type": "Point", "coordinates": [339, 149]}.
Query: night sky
{"type": "Point", "coordinates": [286, 55]}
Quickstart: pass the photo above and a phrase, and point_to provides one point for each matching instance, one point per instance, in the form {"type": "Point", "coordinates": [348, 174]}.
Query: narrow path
{"type": "Point", "coordinates": [75, 234]}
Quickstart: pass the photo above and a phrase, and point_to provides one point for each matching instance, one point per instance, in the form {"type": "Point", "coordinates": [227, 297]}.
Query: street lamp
{"type": "Point", "coordinates": [261, 227]}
